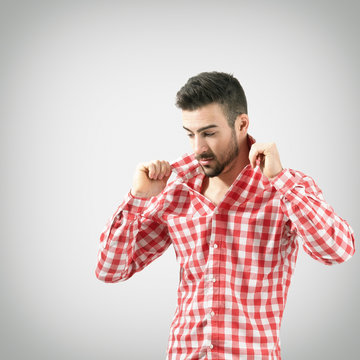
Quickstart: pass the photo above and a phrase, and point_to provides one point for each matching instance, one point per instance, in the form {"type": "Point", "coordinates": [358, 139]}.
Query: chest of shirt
{"type": "Point", "coordinates": [246, 224]}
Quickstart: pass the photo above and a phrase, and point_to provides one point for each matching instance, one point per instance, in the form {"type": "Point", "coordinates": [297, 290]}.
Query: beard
{"type": "Point", "coordinates": [221, 161]}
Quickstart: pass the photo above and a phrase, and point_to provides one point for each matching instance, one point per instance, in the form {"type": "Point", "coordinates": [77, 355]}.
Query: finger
{"type": "Point", "coordinates": [252, 156]}
{"type": "Point", "coordinates": [162, 172]}
{"type": "Point", "coordinates": [157, 172]}
{"type": "Point", "coordinates": [160, 169]}
{"type": "Point", "coordinates": [257, 151]}
{"type": "Point", "coordinates": [168, 169]}
{"type": "Point", "coordinates": [165, 169]}
{"type": "Point", "coordinates": [151, 170]}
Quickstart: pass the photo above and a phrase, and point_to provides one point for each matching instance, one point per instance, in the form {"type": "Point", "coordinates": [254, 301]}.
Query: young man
{"type": "Point", "coordinates": [234, 217]}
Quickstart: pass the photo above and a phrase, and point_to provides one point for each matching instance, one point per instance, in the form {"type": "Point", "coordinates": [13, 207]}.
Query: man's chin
{"type": "Point", "coordinates": [211, 175]}
{"type": "Point", "coordinates": [211, 172]}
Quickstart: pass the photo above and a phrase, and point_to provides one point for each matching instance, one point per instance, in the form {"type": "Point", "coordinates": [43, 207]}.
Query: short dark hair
{"type": "Point", "coordinates": [213, 87]}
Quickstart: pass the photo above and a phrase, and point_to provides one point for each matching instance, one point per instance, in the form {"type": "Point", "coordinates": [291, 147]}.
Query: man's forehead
{"type": "Point", "coordinates": [205, 116]}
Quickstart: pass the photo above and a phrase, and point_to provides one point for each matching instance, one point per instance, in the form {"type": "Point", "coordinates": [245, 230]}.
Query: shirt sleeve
{"type": "Point", "coordinates": [131, 240]}
{"type": "Point", "coordinates": [324, 235]}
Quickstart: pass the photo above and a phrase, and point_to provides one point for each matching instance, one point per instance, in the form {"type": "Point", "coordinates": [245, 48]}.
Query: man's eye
{"type": "Point", "coordinates": [208, 134]}
{"type": "Point", "coordinates": [190, 135]}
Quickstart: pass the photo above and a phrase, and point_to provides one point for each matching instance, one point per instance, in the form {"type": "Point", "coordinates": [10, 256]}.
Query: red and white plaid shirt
{"type": "Point", "coordinates": [236, 259]}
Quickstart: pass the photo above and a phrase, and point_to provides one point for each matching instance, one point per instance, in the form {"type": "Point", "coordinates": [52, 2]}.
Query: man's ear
{"type": "Point", "coordinates": [242, 122]}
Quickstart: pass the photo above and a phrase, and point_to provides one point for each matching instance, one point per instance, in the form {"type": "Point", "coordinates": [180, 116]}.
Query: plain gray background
{"type": "Point", "coordinates": [87, 91]}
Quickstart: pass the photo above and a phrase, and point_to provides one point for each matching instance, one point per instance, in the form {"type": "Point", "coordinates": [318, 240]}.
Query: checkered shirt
{"type": "Point", "coordinates": [236, 258]}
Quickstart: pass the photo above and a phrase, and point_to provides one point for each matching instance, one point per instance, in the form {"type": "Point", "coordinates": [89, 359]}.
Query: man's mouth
{"type": "Point", "coordinates": [205, 161]}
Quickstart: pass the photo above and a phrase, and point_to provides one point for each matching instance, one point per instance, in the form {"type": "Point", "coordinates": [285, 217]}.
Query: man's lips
{"type": "Point", "coordinates": [205, 161]}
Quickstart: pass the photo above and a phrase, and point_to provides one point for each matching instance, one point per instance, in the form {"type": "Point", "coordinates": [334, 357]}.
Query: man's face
{"type": "Point", "coordinates": [214, 142]}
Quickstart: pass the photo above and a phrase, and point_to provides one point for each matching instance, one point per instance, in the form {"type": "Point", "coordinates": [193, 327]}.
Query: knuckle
{"type": "Point", "coordinates": [141, 166]}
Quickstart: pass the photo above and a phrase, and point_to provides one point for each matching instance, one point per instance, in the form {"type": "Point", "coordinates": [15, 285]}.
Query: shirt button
{"type": "Point", "coordinates": [215, 246]}
{"type": "Point", "coordinates": [211, 346]}
{"type": "Point", "coordinates": [213, 279]}
{"type": "Point", "coordinates": [212, 313]}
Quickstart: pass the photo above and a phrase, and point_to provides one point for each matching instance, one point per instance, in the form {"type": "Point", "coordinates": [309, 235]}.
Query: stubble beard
{"type": "Point", "coordinates": [231, 153]}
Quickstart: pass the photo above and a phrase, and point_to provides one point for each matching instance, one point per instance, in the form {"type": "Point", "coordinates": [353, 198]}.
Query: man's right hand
{"type": "Point", "coordinates": [150, 178]}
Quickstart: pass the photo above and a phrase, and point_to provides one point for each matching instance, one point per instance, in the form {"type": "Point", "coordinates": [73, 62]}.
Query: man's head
{"type": "Point", "coordinates": [215, 117]}
{"type": "Point", "coordinates": [213, 87]}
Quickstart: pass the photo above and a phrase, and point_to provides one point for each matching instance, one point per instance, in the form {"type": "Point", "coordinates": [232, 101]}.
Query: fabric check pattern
{"type": "Point", "coordinates": [236, 259]}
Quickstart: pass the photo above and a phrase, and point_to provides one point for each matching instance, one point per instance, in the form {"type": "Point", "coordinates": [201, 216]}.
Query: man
{"type": "Point", "coordinates": [234, 216]}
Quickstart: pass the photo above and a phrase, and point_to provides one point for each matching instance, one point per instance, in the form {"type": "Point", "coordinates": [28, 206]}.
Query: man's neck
{"type": "Point", "coordinates": [231, 172]}
{"type": "Point", "coordinates": [216, 187]}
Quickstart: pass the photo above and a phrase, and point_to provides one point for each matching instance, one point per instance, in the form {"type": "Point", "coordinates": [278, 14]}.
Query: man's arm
{"type": "Point", "coordinates": [135, 236]}
{"type": "Point", "coordinates": [325, 236]}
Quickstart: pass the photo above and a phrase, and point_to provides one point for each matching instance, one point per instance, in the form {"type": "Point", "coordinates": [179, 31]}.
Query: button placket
{"type": "Point", "coordinates": [213, 276]}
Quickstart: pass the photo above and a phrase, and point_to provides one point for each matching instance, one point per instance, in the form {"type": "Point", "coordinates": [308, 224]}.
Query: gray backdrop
{"type": "Point", "coordinates": [87, 91]}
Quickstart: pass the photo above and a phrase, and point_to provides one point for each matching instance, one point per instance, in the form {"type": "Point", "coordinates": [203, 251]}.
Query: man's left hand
{"type": "Point", "coordinates": [270, 164]}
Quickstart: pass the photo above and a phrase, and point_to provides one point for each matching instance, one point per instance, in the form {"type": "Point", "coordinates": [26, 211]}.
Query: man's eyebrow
{"type": "Point", "coordinates": [201, 129]}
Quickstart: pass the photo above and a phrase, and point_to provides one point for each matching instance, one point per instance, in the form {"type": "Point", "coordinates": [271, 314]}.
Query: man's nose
{"type": "Point", "coordinates": [199, 145]}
